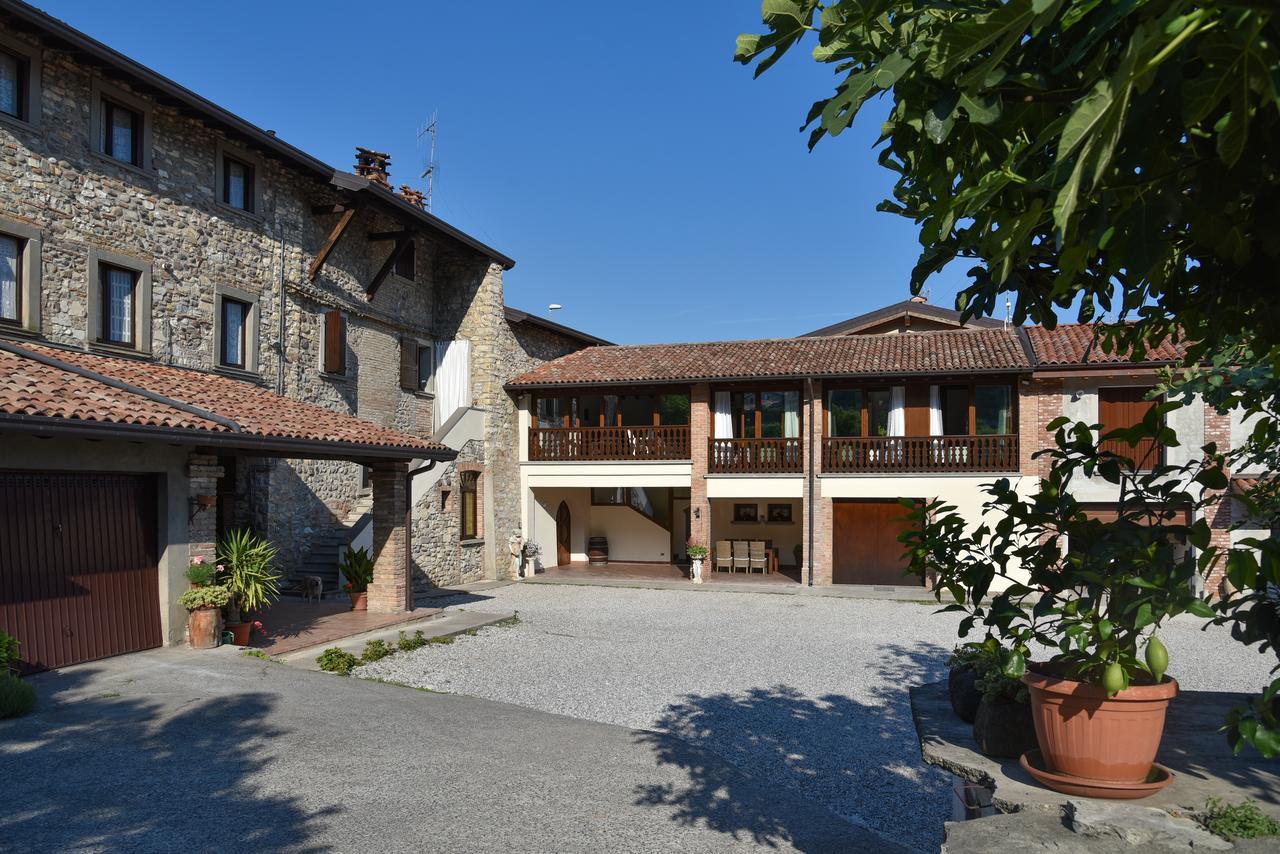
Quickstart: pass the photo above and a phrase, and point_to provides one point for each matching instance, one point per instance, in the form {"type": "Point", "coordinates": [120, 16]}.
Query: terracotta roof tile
{"type": "Point", "coordinates": [866, 355]}
{"type": "Point", "coordinates": [32, 388]}
{"type": "Point", "coordinates": [1074, 344]}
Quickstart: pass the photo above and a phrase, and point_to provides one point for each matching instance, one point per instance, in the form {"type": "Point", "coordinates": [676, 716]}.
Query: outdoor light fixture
{"type": "Point", "coordinates": [555, 306]}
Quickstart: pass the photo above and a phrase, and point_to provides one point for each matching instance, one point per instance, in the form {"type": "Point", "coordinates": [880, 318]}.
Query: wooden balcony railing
{"type": "Point", "coordinates": [920, 454]}
{"type": "Point", "coordinates": [668, 442]}
{"type": "Point", "coordinates": [755, 456]}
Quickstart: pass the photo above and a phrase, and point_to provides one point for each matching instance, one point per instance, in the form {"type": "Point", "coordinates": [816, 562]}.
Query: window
{"type": "Point", "coordinates": [417, 365]}
{"type": "Point", "coordinates": [673, 409]}
{"type": "Point", "coordinates": [1124, 407]}
{"type": "Point", "coordinates": [334, 360]}
{"type": "Point", "coordinates": [10, 278]}
{"type": "Point", "coordinates": [609, 496]}
{"type": "Point", "coordinates": [119, 304]}
{"type": "Point", "coordinates": [238, 184]}
{"type": "Point", "coordinates": [992, 406]}
{"type": "Point", "coordinates": [13, 85]}
{"type": "Point", "coordinates": [426, 366]}
{"type": "Point", "coordinates": [406, 263]}
{"type": "Point", "coordinates": [879, 402]}
{"type": "Point", "coordinates": [844, 412]}
{"type": "Point", "coordinates": [235, 332]}
{"type": "Point", "coordinates": [121, 133]}
{"type": "Point", "coordinates": [955, 410]}
{"type": "Point", "coordinates": [468, 488]}
{"type": "Point", "coordinates": [550, 411]}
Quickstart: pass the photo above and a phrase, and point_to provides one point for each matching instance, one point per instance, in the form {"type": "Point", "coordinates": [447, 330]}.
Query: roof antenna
{"type": "Point", "coordinates": [1008, 312]}
{"type": "Point", "coordinates": [429, 172]}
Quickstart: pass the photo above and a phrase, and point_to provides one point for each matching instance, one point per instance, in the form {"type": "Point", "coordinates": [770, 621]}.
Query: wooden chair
{"type": "Point", "coordinates": [724, 557]}
{"type": "Point", "coordinates": [741, 558]}
{"type": "Point", "coordinates": [758, 559]}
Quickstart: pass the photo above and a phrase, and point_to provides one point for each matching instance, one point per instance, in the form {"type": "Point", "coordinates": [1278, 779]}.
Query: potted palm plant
{"type": "Point", "coordinates": [250, 576]}
{"type": "Point", "coordinates": [357, 569]}
{"type": "Point", "coordinates": [1095, 592]}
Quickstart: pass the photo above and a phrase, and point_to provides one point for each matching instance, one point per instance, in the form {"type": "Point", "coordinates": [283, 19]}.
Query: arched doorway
{"type": "Point", "coordinates": [563, 528]}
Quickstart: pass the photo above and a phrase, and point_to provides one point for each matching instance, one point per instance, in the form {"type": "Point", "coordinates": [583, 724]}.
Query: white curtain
{"type": "Point", "coordinates": [791, 414]}
{"type": "Point", "coordinates": [898, 410]}
{"type": "Point", "coordinates": [935, 411]}
{"type": "Point", "coordinates": [453, 378]}
{"type": "Point", "coordinates": [724, 415]}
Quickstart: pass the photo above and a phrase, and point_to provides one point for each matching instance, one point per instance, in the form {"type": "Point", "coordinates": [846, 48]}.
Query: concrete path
{"type": "Point", "coordinates": [180, 750]}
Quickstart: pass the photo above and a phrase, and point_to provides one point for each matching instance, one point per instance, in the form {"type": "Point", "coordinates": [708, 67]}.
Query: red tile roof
{"type": "Point", "coordinates": [30, 387]}
{"type": "Point", "coordinates": [1074, 344]}
{"type": "Point", "coordinates": [975, 350]}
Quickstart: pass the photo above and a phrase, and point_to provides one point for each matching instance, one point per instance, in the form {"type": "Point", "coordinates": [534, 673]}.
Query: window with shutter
{"type": "Point", "coordinates": [335, 342]}
{"type": "Point", "coordinates": [409, 364]}
{"type": "Point", "coordinates": [469, 527]}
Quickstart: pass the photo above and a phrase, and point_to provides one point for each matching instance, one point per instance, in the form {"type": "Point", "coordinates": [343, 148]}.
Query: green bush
{"type": "Point", "coordinates": [444, 640]}
{"type": "Point", "coordinates": [200, 573]}
{"type": "Point", "coordinates": [1239, 821]}
{"type": "Point", "coordinates": [375, 650]}
{"type": "Point", "coordinates": [409, 644]}
{"type": "Point", "coordinates": [16, 697]}
{"type": "Point", "coordinates": [336, 660]}
{"type": "Point", "coordinates": [8, 652]}
{"type": "Point", "coordinates": [204, 597]}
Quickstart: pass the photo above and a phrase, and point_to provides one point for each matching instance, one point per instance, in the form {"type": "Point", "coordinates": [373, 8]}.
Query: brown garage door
{"type": "Point", "coordinates": [78, 577]}
{"type": "Point", "coordinates": [866, 548]}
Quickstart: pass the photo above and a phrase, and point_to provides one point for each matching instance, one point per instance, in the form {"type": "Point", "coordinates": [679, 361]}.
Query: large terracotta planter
{"type": "Point", "coordinates": [359, 601]}
{"type": "Point", "coordinates": [204, 628]}
{"type": "Point", "coordinates": [240, 631]}
{"type": "Point", "coordinates": [1084, 733]}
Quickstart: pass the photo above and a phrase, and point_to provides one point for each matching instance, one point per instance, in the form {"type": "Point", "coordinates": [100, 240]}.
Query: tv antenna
{"type": "Point", "coordinates": [431, 167]}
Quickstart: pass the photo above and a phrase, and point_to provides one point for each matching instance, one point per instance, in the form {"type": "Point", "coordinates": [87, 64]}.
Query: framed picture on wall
{"type": "Point", "coordinates": [779, 513]}
{"type": "Point", "coordinates": [746, 513]}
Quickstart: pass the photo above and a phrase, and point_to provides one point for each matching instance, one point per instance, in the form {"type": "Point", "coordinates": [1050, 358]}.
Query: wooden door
{"type": "Point", "coordinates": [865, 543]}
{"type": "Point", "coordinates": [563, 529]}
{"type": "Point", "coordinates": [78, 574]}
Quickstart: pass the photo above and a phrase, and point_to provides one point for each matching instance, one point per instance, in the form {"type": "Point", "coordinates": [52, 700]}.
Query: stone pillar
{"type": "Point", "coordinates": [389, 593]}
{"type": "Point", "coordinates": [203, 473]}
{"type": "Point", "coordinates": [1217, 429]}
{"type": "Point", "coordinates": [815, 416]}
{"type": "Point", "coordinates": [699, 435]}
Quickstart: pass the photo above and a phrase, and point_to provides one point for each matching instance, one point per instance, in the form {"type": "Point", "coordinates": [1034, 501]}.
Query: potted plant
{"type": "Point", "coordinates": [199, 573]}
{"type": "Point", "coordinates": [1094, 591]}
{"type": "Point", "coordinates": [532, 554]}
{"type": "Point", "coordinates": [697, 554]}
{"type": "Point", "coordinates": [204, 604]}
{"type": "Point", "coordinates": [357, 569]}
{"type": "Point", "coordinates": [1002, 722]}
{"type": "Point", "coordinates": [962, 680]}
{"type": "Point", "coordinates": [250, 577]}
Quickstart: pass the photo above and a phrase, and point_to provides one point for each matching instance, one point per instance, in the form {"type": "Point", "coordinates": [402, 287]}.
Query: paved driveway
{"type": "Point", "coordinates": [177, 750]}
{"type": "Point", "coordinates": [807, 693]}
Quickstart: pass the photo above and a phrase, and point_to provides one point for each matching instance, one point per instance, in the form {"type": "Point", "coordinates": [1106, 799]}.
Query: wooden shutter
{"type": "Point", "coordinates": [409, 364]}
{"type": "Point", "coordinates": [1126, 407]}
{"type": "Point", "coordinates": [335, 342]}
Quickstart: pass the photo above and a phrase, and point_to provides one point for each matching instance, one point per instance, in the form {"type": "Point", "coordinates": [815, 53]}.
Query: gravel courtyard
{"type": "Point", "coordinates": [808, 693]}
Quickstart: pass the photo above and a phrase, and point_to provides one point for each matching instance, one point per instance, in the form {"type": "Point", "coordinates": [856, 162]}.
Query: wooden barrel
{"type": "Point", "coordinates": [598, 551]}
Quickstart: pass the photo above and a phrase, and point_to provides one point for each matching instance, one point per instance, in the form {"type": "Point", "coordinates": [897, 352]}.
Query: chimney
{"type": "Point", "coordinates": [412, 196]}
{"type": "Point", "coordinates": [920, 298]}
{"type": "Point", "coordinates": [374, 165]}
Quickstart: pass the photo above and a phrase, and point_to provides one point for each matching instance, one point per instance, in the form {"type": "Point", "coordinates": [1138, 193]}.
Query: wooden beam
{"type": "Point", "coordinates": [387, 235]}
{"type": "Point", "coordinates": [329, 209]}
{"type": "Point", "coordinates": [334, 236]}
{"type": "Point", "coordinates": [402, 244]}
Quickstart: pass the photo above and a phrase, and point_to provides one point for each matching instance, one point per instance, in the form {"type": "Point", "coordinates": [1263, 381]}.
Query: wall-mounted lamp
{"type": "Point", "coordinates": [697, 512]}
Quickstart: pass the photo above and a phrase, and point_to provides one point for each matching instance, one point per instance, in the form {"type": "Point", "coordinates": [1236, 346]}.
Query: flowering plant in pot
{"type": "Point", "coordinates": [697, 554]}
{"type": "Point", "coordinates": [199, 573]}
{"type": "Point", "coordinates": [1094, 591]}
{"type": "Point", "coordinates": [250, 577]}
{"type": "Point", "coordinates": [357, 569]}
{"type": "Point", "coordinates": [204, 604]}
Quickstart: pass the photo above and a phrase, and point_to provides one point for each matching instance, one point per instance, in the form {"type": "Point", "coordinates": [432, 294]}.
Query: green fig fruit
{"type": "Point", "coordinates": [1113, 678]}
{"type": "Point", "coordinates": [1157, 658]}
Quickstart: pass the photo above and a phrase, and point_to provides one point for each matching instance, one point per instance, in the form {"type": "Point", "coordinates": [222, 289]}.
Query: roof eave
{"type": "Point", "coordinates": [515, 315]}
{"type": "Point", "coordinates": [825, 375]}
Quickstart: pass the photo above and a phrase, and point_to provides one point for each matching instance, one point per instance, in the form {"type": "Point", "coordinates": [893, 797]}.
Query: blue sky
{"type": "Point", "coordinates": [638, 175]}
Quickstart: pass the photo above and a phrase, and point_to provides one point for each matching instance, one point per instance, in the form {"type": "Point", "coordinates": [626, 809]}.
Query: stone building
{"type": "Point", "coordinates": [145, 231]}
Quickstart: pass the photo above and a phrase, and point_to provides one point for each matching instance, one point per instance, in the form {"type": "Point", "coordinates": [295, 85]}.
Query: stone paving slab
{"type": "Point", "coordinates": [1192, 748]}
{"type": "Point", "coordinates": [439, 624]}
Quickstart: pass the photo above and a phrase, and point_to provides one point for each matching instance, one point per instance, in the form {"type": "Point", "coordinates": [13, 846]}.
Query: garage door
{"type": "Point", "coordinates": [865, 543]}
{"type": "Point", "coordinates": [78, 577]}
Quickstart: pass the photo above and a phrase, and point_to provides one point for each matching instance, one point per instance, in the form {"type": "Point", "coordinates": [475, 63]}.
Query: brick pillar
{"type": "Point", "coordinates": [390, 590]}
{"type": "Point", "coordinates": [1217, 429]}
{"type": "Point", "coordinates": [203, 473]}
{"type": "Point", "coordinates": [815, 415]}
{"type": "Point", "coordinates": [1038, 404]}
{"type": "Point", "coordinates": [699, 435]}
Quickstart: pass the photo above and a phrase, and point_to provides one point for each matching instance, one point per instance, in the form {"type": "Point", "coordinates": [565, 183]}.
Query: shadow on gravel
{"type": "Point", "coordinates": [88, 771]}
{"type": "Point", "coordinates": [856, 758]}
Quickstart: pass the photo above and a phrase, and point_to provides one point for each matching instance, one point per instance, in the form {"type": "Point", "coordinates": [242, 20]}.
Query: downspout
{"type": "Point", "coordinates": [809, 552]}
{"type": "Point", "coordinates": [280, 348]}
{"type": "Point", "coordinates": [408, 529]}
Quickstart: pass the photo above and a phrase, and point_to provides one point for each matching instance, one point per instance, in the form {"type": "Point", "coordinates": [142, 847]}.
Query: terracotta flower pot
{"type": "Point", "coordinates": [1084, 733]}
{"type": "Point", "coordinates": [359, 601]}
{"type": "Point", "coordinates": [204, 628]}
{"type": "Point", "coordinates": [240, 631]}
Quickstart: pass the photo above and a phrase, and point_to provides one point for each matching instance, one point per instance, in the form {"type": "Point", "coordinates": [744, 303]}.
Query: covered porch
{"type": "Point", "coordinates": [645, 574]}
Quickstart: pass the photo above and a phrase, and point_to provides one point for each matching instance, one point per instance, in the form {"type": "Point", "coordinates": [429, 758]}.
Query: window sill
{"type": "Point", "coordinates": [125, 350]}
{"type": "Point", "coordinates": [239, 373]}
{"type": "Point", "coordinates": [141, 171]}
{"type": "Point", "coordinates": [470, 544]}
{"type": "Point", "coordinates": [21, 124]}
{"type": "Point", "coordinates": [425, 395]}
{"type": "Point", "coordinates": [344, 378]}
{"type": "Point", "coordinates": [15, 329]}
{"type": "Point", "coordinates": [240, 213]}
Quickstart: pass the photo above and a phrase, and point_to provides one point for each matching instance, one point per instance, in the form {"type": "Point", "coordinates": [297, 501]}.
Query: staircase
{"type": "Point", "coordinates": [327, 547]}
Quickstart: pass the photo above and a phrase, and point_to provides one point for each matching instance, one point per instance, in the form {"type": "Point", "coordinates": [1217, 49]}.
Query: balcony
{"type": "Point", "coordinates": [932, 454]}
{"type": "Point", "coordinates": [608, 444]}
{"type": "Point", "coordinates": [755, 456]}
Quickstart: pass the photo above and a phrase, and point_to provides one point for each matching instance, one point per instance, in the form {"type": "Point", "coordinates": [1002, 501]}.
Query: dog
{"type": "Point", "coordinates": [312, 588]}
